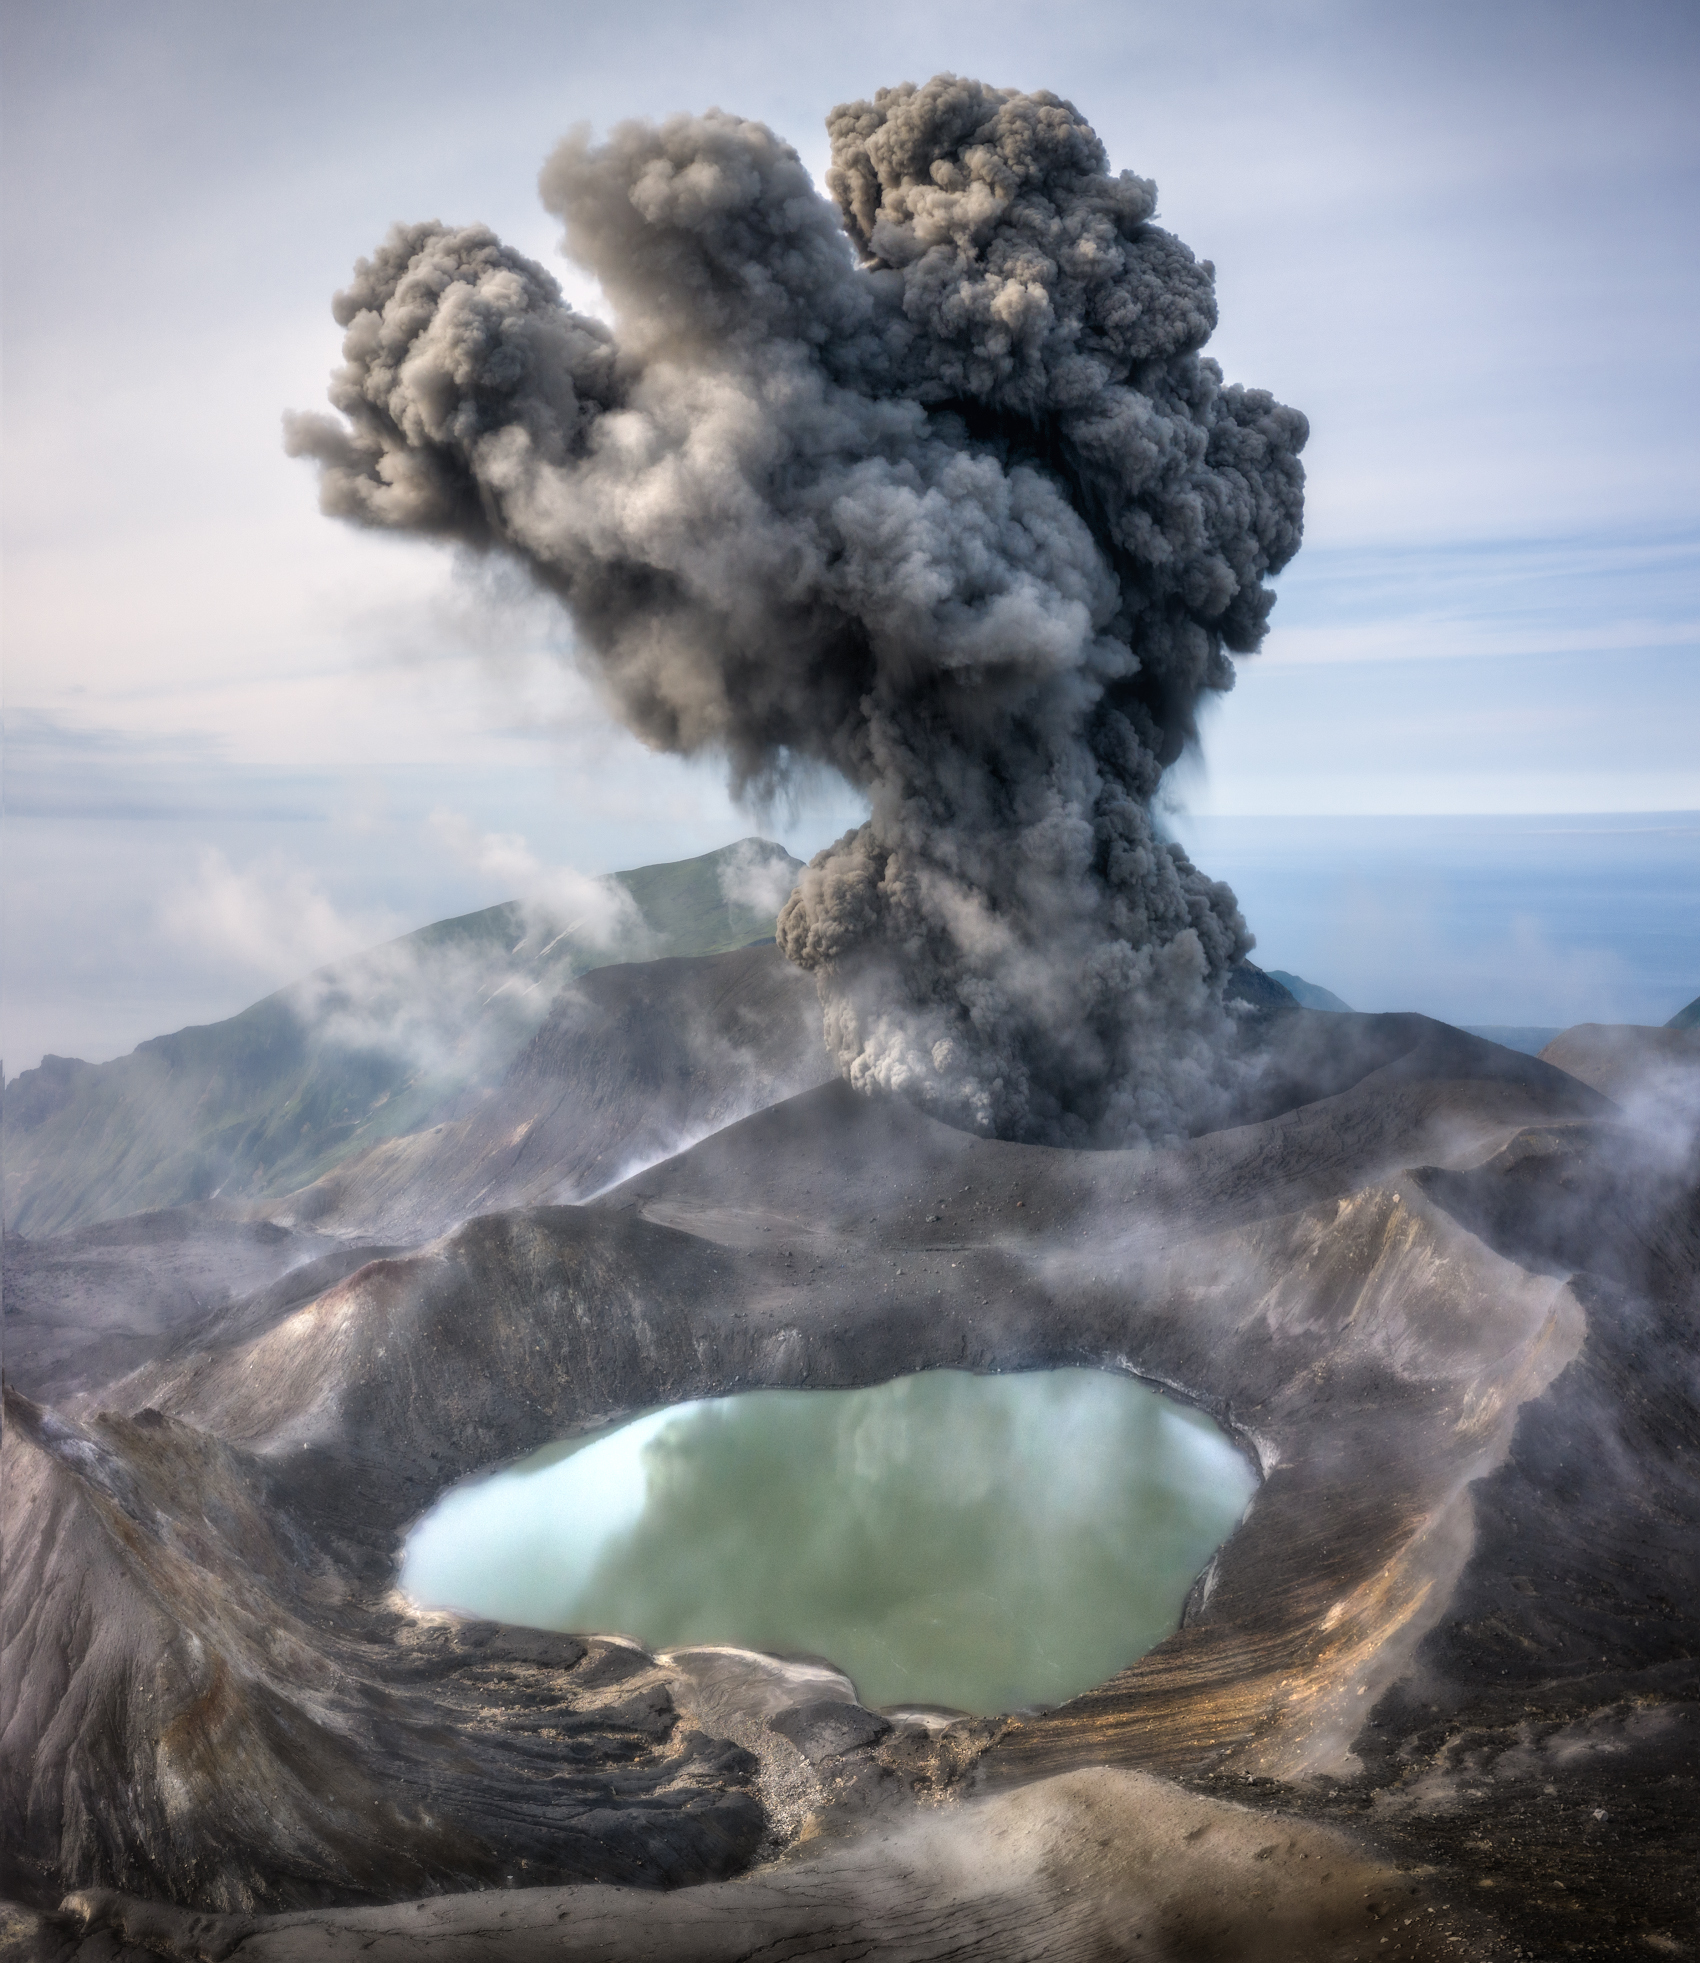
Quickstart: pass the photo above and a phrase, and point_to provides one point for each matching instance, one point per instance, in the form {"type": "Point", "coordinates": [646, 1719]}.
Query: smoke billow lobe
{"type": "Point", "coordinates": [929, 483]}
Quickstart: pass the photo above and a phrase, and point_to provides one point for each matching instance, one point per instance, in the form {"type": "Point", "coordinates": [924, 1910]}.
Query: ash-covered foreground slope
{"type": "Point", "coordinates": [1436, 1696]}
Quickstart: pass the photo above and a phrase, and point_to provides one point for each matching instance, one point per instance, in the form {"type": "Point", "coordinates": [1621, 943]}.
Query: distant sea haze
{"type": "Point", "coordinates": [1477, 920]}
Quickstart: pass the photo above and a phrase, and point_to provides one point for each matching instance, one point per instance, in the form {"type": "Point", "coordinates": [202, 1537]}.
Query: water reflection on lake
{"type": "Point", "coordinates": [982, 1542]}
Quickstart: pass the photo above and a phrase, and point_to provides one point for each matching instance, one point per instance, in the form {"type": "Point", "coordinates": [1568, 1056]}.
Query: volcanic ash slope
{"type": "Point", "coordinates": [1444, 1294]}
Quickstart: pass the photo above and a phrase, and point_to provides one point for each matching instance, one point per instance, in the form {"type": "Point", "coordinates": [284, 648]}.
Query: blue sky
{"type": "Point", "coordinates": [1461, 238]}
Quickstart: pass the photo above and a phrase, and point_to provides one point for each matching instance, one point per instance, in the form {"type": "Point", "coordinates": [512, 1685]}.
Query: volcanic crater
{"type": "Point", "coordinates": [1436, 1690]}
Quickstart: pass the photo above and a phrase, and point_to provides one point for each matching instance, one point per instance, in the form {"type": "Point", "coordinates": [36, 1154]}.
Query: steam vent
{"type": "Point", "coordinates": [978, 526]}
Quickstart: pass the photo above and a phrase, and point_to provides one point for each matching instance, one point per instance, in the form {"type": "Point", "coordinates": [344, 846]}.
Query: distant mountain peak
{"type": "Point", "coordinates": [1310, 995]}
{"type": "Point", "coordinates": [374, 1047]}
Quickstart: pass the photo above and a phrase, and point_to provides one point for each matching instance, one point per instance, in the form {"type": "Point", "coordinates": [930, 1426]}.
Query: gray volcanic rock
{"type": "Point", "coordinates": [1340, 1099]}
{"type": "Point", "coordinates": [828, 1727]}
{"type": "Point", "coordinates": [1531, 1038]}
{"type": "Point", "coordinates": [630, 1063]}
{"type": "Point", "coordinates": [1250, 984]}
{"type": "Point", "coordinates": [633, 1063]}
{"type": "Point", "coordinates": [1444, 1295]}
{"type": "Point", "coordinates": [34, 1096]}
{"type": "Point", "coordinates": [204, 1702]}
{"type": "Point", "coordinates": [84, 1307]}
{"type": "Point", "coordinates": [1097, 1864]}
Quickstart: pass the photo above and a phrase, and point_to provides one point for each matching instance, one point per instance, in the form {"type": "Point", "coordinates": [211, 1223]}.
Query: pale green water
{"type": "Point", "coordinates": [981, 1542]}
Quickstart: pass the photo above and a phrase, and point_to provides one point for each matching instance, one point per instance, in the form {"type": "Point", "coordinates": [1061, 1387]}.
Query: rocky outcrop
{"type": "Point", "coordinates": [1102, 1864]}
{"type": "Point", "coordinates": [209, 1699]}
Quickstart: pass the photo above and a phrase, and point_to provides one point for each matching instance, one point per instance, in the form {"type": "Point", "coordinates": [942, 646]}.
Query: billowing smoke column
{"type": "Point", "coordinates": [929, 484]}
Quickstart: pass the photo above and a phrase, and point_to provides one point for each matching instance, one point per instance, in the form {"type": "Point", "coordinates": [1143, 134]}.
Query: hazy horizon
{"type": "Point", "coordinates": [1538, 919]}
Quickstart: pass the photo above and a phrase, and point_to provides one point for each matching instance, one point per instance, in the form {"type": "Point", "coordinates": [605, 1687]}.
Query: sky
{"type": "Point", "coordinates": [241, 739]}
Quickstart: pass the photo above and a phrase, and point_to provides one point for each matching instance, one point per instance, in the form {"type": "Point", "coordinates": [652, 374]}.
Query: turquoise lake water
{"type": "Point", "coordinates": [987, 1543]}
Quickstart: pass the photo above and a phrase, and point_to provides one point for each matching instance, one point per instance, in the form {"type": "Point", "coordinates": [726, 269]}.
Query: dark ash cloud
{"type": "Point", "coordinates": [929, 483]}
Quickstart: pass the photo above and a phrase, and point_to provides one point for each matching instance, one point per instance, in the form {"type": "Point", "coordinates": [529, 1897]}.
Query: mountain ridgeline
{"type": "Point", "coordinates": [464, 1042]}
{"type": "Point", "coordinates": [380, 1046]}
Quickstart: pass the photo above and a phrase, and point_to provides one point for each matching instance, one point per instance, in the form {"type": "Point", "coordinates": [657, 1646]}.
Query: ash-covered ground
{"type": "Point", "coordinates": [1436, 1696]}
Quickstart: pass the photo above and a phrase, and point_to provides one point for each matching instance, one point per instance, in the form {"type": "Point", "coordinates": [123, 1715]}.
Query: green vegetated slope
{"type": "Point", "coordinates": [1310, 995]}
{"type": "Point", "coordinates": [1249, 983]}
{"type": "Point", "coordinates": [375, 1047]}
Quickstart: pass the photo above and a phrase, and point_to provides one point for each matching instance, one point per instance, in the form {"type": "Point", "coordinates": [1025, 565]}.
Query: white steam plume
{"type": "Point", "coordinates": [555, 900]}
{"type": "Point", "coordinates": [757, 875]}
{"type": "Point", "coordinates": [269, 918]}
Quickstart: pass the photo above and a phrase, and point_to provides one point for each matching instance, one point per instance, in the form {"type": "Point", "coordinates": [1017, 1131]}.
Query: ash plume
{"type": "Point", "coordinates": [927, 482]}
